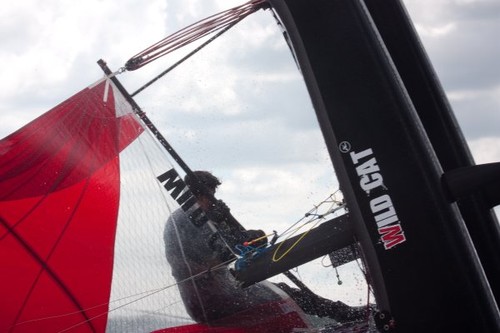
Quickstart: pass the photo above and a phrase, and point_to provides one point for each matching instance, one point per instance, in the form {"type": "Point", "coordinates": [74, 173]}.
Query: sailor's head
{"type": "Point", "coordinates": [202, 183]}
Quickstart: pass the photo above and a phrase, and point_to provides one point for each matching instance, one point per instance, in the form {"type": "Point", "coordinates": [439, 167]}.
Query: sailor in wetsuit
{"type": "Point", "coordinates": [215, 295]}
{"type": "Point", "coordinates": [208, 296]}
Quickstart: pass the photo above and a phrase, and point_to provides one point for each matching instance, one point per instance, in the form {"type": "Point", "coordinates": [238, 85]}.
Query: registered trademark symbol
{"type": "Point", "coordinates": [344, 147]}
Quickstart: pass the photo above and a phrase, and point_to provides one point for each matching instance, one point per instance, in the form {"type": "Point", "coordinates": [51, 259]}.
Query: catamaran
{"type": "Point", "coordinates": [87, 187]}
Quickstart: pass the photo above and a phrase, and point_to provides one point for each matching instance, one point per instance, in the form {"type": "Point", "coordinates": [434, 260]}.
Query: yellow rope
{"type": "Point", "coordinates": [294, 244]}
{"type": "Point", "coordinates": [257, 239]}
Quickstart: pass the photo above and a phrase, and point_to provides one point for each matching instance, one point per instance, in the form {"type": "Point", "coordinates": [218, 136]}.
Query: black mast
{"type": "Point", "coordinates": [232, 223]}
{"type": "Point", "coordinates": [145, 119]}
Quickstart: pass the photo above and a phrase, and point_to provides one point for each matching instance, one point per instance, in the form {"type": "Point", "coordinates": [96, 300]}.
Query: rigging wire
{"type": "Point", "coordinates": [190, 54]}
{"type": "Point", "coordinates": [152, 291]}
{"type": "Point", "coordinates": [335, 206]}
{"type": "Point", "coordinates": [339, 281]}
{"type": "Point", "coordinates": [290, 248]}
{"type": "Point", "coordinates": [144, 293]}
{"type": "Point", "coordinates": [114, 309]}
{"type": "Point", "coordinates": [193, 32]}
{"type": "Point", "coordinates": [315, 219]}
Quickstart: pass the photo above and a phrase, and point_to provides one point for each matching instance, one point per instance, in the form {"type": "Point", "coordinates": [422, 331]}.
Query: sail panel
{"type": "Point", "coordinates": [59, 199]}
{"type": "Point", "coordinates": [65, 145]}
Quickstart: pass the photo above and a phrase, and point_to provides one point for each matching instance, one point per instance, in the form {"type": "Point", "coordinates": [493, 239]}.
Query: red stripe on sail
{"type": "Point", "coordinates": [59, 197]}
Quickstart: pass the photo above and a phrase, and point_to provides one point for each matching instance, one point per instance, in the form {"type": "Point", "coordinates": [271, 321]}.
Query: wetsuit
{"type": "Point", "coordinates": [207, 296]}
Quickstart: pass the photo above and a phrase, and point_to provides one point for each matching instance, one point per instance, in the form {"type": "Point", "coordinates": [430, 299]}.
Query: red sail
{"type": "Point", "coordinates": [59, 197]}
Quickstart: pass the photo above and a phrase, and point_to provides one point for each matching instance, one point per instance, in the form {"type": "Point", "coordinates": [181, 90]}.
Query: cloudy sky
{"type": "Point", "coordinates": [49, 50]}
{"type": "Point", "coordinates": [238, 108]}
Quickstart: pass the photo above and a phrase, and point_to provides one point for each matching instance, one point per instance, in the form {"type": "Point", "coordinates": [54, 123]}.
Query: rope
{"type": "Point", "coordinates": [335, 205]}
{"type": "Point", "coordinates": [251, 242]}
{"type": "Point", "coordinates": [190, 54]}
{"type": "Point", "coordinates": [313, 216]}
{"type": "Point", "coordinates": [143, 295]}
{"type": "Point", "coordinates": [293, 245]}
{"type": "Point", "coordinates": [193, 32]}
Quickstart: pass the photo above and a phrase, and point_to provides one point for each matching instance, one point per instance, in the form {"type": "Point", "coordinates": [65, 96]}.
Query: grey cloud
{"type": "Point", "coordinates": [475, 10]}
{"type": "Point", "coordinates": [479, 116]}
{"type": "Point", "coordinates": [466, 58]}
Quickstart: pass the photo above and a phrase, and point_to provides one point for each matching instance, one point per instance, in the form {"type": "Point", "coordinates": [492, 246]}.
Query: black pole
{"type": "Point", "coordinates": [232, 223]}
{"type": "Point", "coordinates": [137, 109]}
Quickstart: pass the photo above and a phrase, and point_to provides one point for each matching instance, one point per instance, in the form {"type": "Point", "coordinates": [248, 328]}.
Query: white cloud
{"type": "Point", "coordinates": [486, 150]}
{"type": "Point", "coordinates": [435, 31]}
{"type": "Point", "coordinates": [51, 48]}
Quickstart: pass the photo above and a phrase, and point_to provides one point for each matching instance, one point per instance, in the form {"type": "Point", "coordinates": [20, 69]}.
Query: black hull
{"type": "Point", "coordinates": [389, 160]}
{"type": "Point", "coordinates": [440, 125]}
